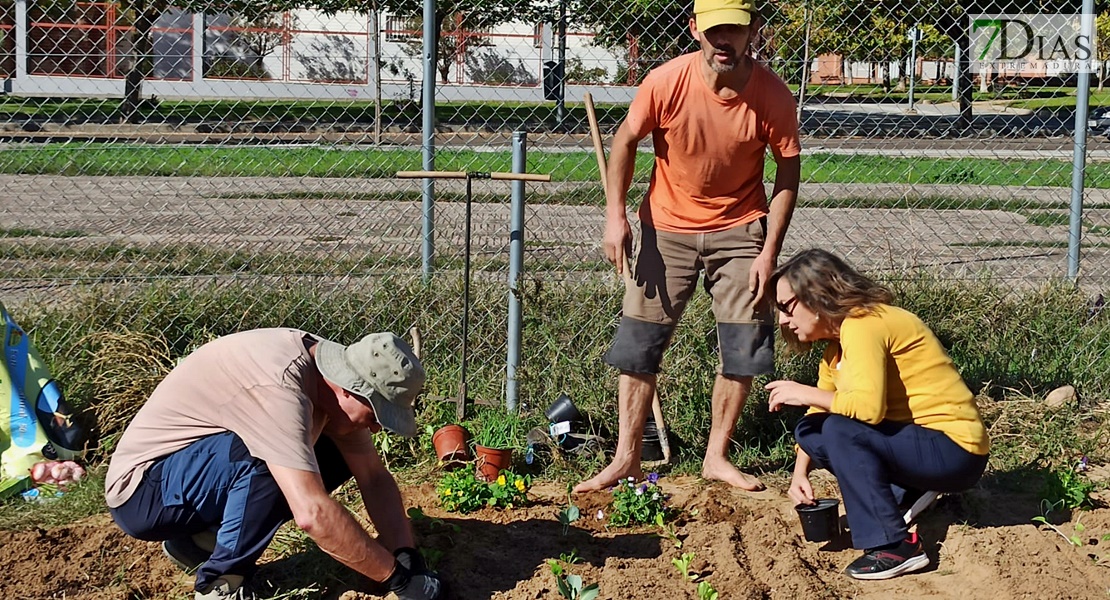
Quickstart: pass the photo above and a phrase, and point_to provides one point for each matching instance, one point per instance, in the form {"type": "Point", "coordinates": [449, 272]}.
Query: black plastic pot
{"type": "Point", "coordinates": [562, 409]}
{"type": "Point", "coordinates": [820, 521]}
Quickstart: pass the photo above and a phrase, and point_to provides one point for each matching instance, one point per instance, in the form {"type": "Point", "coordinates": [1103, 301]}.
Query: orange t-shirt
{"type": "Point", "coordinates": [709, 151]}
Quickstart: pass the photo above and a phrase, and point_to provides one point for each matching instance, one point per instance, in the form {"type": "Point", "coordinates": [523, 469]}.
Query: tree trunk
{"type": "Point", "coordinates": [145, 15]}
{"type": "Point", "coordinates": [444, 56]}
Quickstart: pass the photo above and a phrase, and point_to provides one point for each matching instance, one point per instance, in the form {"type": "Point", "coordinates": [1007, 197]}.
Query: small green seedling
{"type": "Point", "coordinates": [567, 516]}
{"type": "Point", "coordinates": [417, 516]}
{"type": "Point", "coordinates": [706, 591]}
{"type": "Point", "coordinates": [570, 587]}
{"type": "Point", "coordinates": [432, 556]}
{"type": "Point", "coordinates": [1074, 540]}
{"type": "Point", "coordinates": [683, 565]}
{"type": "Point", "coordinates": [385, 444]}
{"type": "Point", "coordinates": [556, 569]}
{"type": "Point", "coordinates": [671, 534]}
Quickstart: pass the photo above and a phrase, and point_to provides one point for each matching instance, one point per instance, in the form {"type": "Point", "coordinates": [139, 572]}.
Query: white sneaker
{"type": "Point", "coordinates": [226, 587]}
{"type": "Point", "coordinates": [925, 501]}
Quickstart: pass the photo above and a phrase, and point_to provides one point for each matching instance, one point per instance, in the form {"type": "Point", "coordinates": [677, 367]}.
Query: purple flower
{"type": "Point", "coordinates": [643, 488]}
{"type": "Point", "coordinates": [653, 478]}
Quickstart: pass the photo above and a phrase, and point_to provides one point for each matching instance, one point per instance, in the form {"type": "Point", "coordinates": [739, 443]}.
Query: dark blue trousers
{"type": "Point", "coordinates": [215, 484]}
{"type": "Point", "coordinates": [876, 464]}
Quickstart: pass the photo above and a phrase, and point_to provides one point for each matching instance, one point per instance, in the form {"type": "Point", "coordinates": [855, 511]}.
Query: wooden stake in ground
{"type": "Point", "coordinates": [602, 167]}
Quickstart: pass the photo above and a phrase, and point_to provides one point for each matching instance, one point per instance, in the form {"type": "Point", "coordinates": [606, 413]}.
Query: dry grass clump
{"type": "Point", "coordinates": [126, 366]}
{"type": "Point", "coordinates": [1026, 430]}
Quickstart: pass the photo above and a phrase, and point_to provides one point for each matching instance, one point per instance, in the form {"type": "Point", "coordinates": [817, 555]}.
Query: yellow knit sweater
{"type": "Point", "coordinates": [888, 365]}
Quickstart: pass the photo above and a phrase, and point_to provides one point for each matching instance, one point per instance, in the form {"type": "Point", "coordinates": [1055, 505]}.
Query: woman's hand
{"type": "Point", "coordinates": [801, 491]}
{"type": "Point", "coordinates": [792, 393]}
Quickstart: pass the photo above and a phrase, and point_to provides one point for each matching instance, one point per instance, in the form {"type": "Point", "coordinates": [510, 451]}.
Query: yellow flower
{"type": "Point", "coordinates": [447, 492]}
{"type": "Point", "coordinates": [520, 484]}
{"type": "Point", "coordinates": [459, 493]}
{"type": "Point", "coordinates": [500, 480]}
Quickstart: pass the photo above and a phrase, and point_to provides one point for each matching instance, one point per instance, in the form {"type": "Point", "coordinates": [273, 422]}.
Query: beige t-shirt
{"type": "Point", "coordinates": [260, 384]}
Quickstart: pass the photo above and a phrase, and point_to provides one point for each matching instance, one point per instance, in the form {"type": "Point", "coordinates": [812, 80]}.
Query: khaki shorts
{"type": "Point", "coordinates": [664, 276]}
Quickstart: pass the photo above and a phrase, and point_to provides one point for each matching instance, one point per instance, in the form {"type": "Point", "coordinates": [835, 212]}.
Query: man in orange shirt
{"type": "Point", "coordinates": [712, 114]}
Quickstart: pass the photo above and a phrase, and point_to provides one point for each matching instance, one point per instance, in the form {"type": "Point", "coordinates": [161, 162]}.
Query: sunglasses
{"type": "Point", "coordinates": [787, 308]}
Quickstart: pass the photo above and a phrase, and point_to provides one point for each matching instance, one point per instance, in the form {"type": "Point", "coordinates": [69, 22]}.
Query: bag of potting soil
{"type": "Point", "coordinates": [36, 423]}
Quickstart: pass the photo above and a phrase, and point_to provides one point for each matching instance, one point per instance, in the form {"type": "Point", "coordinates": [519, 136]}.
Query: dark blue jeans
{"type": "Point", "coordinates": [876, 464]}
{"type": "Point", "coordinates": [215, 484]}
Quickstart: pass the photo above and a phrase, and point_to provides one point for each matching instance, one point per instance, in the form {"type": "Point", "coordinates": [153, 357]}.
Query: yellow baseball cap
{"type": "Point", "coordinates": [711, 13]}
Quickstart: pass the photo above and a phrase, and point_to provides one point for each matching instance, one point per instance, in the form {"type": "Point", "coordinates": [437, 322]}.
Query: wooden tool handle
{"type": "Point", "coordinates": [473, 175]}
{"type": "Point", "coordinates": [595, 134]}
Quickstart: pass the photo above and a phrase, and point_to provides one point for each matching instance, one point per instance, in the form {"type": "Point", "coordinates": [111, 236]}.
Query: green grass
{"type": "Point", "coordinates": [116, 261]}
{"type": "Point", "coordinates": [20, 232]}
{"type": "Point", "coordinates": [1001, 341]}
{"type": "Point", "coordinates": [477, 114]}
{"type": "Point", "coordinates": [1051, 219]}
{"type": "Point", "coordinates": [81, 500]}
{"type": "Point", "coordinates": [74, 159]}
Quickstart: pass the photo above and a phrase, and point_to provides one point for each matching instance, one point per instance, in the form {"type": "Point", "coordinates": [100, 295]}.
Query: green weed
{"type": "Point", "coordinates": [1066, 487]}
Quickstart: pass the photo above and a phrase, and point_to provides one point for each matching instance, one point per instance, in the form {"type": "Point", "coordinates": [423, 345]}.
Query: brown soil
{"type": "Point", "coordinates": [981, 544]}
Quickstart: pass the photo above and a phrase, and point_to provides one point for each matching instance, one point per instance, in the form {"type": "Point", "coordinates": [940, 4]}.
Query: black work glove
{"type": "Point", "coordinates": [411, 559]}
{"type": "Point", "coordinates": [409, 585]}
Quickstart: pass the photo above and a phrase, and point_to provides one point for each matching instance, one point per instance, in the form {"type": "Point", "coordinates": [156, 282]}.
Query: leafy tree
{"type": "Point", "coordinates": [251, 39]}
{"type": "Point", "coordinates": [458, 24]}
{"type": "Point", "coordinates": [785, 33]}
{"type": "Point", "coordinates": [142, 14]}
{"type": "Point", "coordinates": [1102, 32]}
{"type": "Point", "coordinates": [454, 42]}
{"type": "Point", "coordinates": [649, 32]}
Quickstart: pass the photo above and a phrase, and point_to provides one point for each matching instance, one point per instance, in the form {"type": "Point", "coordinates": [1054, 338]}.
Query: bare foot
{"type": "Point", "coordinates": [610, 476]}
{"type": "Point", "coordinates": [722, 470]}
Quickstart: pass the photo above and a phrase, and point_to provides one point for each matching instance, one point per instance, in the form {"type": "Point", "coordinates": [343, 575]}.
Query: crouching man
{"type": "Point", "coordinates": [258, 427]}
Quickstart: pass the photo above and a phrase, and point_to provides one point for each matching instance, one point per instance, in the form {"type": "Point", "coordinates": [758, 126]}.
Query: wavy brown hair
{"type": "Point", "coordinates": [828, 286]}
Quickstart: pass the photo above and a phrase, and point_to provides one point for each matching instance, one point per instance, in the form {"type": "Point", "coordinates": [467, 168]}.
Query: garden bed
{"type": "Point", "coordinates": [982, 544]}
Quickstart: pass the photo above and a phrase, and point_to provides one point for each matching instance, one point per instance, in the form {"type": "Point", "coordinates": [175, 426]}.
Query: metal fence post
{"type": "Point", "coordinates": [1079, 153]}
{"type": "Point", "coordinates": [427, 248]}
{"type": "Point", "coordinates": [21, 39]}
{"type": "Point", "coordinates": [198, 47]}
{"type": "Point", "coordinates": [516, 267]}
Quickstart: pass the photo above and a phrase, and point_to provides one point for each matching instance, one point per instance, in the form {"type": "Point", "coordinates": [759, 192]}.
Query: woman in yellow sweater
{"type": "Point", "coordinates": [889, 417]}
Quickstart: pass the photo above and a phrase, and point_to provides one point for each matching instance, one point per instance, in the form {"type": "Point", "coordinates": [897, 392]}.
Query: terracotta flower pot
{"type": "Point", "coordinates": [491, 461]}
{"type": "Point", "coordinates": [450, 444]}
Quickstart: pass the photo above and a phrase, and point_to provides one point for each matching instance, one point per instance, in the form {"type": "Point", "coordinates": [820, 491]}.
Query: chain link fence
{"type": "Point", "coordinates": [250, 145]}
